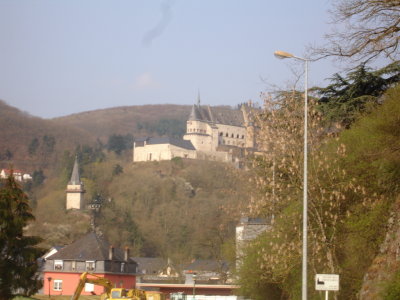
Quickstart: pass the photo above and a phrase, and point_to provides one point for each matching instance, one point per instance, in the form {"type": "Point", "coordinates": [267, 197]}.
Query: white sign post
{"type": "Point", "coordinates": [327, 282]}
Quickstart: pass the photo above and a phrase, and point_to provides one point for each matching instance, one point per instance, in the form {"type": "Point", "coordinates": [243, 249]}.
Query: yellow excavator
{"type": "Point", "coordinates": [110, 292]}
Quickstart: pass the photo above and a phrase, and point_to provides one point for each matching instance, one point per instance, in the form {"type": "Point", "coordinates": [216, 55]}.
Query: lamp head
{"type": "Point", "coordinates": [283, 54]}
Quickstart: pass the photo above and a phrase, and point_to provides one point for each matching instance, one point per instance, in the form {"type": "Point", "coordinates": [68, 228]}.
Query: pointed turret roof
{"type": "Point", "coordinates": [195, 114]}
{"type": "Point", "coordinates": [75, 178]}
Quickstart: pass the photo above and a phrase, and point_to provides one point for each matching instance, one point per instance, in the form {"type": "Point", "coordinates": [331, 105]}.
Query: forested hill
{"type": "Point", "coordinates": [34, 143]}
{"type": "Point", "coordinates": [142, 120]}
{"type": "Point", "coordinates": [31, 143]}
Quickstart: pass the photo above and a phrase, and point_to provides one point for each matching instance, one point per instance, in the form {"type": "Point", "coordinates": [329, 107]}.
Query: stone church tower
{"type": "Point", "coordinates": [75, 189]}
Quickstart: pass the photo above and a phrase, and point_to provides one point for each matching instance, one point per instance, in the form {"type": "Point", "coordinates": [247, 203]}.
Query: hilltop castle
{"type": "Point", "coordinates": [214, 133]}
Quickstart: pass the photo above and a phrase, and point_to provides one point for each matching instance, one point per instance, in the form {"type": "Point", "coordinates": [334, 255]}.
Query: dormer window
{"type": "Point", "coordinates": [90, 265]}
{"type": "Point", "coordinates": [58, 265]}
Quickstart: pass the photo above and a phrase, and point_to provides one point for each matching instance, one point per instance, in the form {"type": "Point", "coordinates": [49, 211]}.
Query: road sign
{"type": "Point", "coordinates": [327, 282]}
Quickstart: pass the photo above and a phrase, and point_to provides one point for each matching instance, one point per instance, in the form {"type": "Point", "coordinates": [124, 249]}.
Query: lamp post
{"type": "Point", "coordinates": [194, 286]}
{"type": "Point", "coordinates": [49, 280]}
{"type": "Point", "coordinates": [282, 55]}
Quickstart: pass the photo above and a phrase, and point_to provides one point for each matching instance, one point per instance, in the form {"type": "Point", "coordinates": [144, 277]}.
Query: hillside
{"type": "Point", "coordinates": [136, 120]}
{"type": "Point", "coordinates": [181, 209]}
{"type": "Point", "coordinates": [34, 143]}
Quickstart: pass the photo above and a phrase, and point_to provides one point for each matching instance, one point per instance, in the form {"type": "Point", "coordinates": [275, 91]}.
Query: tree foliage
{"type": "Point", "coordinates": [119, 143]}
{"type": "Point", "coordinates": [19, 253]}
{"type": "Point", "coordinates": [351, 185]}
{"type": "Point", "coordinates": [347, 98]}
{"type": "Point", "coordinates": [370, 28]}
{"type": "Point", "coordinates": [164, 127]}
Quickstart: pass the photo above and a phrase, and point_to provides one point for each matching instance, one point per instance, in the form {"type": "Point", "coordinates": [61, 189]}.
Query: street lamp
{"type": "Point", "coordinates": [282, 55]}
{"type": "Point", "coordinates": [49, 280]}
{"type": "Point", "coordinates": [194, 286]}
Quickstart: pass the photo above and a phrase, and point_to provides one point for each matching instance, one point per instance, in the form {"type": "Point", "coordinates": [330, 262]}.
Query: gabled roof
{"type": "Point", "coordinates": [151, 265]}
{"type": "Point", "coordinates": [253, 221]}
{"type": "Point", "coordinates": [207, 265]}
{"type": "Point", "coordinates": [89, 247]}
{"type": "Point", "coordinates": [217, 115]}
{"type": "Point", "coordinates": [167, 140]}
{"type": "Point", "coordinates": [75, 178]}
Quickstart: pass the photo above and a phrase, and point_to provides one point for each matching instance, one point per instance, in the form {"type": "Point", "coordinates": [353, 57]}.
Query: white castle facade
{"type": "Point", "coordinates": [214, 133]}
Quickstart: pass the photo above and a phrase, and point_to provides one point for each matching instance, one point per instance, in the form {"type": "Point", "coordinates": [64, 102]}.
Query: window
{"type": "Point", "coordinates": [90, 265]}
{"type": "Point", "coordinates": [226, 134]}
{"type": "Point", "coordinates": [237, 136]}
{"type": "Point", "coordinates": [232, 135]}
{"type": "Point", "coordinates": [58, 265]}
{"type": "Point", "coordinates": [122, 267]}
{"type": "Point", "coordinates": [221, 134]}
{"type": "Point", "coordinates": [57, 285]}
{"type": "Point", "coordinates": [243, 136]}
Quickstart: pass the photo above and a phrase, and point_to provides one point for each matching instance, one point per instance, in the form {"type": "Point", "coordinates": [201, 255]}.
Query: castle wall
{"type": "Point", "coordinates": [201, 142]}
{"type": "Point", "coordinates": [159, 152]}
{"type": "Point", "coordinates": [232, 135]}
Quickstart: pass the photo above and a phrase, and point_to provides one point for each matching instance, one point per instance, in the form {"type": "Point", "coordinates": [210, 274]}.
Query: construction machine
{"type": "Point", "coordinates": [110, 292]}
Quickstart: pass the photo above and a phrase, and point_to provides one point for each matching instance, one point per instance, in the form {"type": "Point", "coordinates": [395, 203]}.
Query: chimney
{"type": "Point", "coordinates": [126, 254]}
{"type": "Point", "coordinates": [111, 253]}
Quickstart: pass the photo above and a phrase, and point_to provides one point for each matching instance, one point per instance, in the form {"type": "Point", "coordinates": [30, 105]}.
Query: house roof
{"type": "Point", "coordinates": [167, 140]}
{"type": "Point", "coordinates": [89, 247]}
{"type": "Point", "coordinates": [151, 265]}
{"type": "Point", "coordinates": [75, 178]}
{"type": "Point", "coordinates": [207, 265]}
{"type": "Point", "coordinates": [14, 171]}
{"type": "Point", "coordinates": [254, 221]}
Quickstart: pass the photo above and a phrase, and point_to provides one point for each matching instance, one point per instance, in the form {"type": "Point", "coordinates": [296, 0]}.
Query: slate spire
{"type": "Point", "coordinates": [75, 178]}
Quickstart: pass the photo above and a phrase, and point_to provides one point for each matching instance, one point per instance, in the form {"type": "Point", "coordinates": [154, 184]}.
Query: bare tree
{"type": "Point", "coordinates": [371, 29]}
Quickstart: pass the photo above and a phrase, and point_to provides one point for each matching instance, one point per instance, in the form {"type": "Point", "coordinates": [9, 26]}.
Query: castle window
{"type": "Point", "coordinates": [243, 136]}
{"type": "Point", "coordinates": [232, 135]}
{"type": "Point", "coordinates": [221, 134]}
{"type": "Point", "coordinates": [226, 134]}
{"type": "Point", "coordinates": [237, 135]}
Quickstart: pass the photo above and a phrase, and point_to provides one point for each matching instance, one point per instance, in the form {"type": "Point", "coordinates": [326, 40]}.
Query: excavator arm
{"type": "Point", "coordinates": [93, 279]}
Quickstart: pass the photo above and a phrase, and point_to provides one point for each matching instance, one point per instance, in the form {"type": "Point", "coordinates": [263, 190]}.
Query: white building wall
{"type": "Point", "coordinates": [74, 197]}
{"type": "Point", "coordinates": [161, 152]}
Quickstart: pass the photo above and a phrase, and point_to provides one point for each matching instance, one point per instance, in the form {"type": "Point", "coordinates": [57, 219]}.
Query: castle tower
{"type": "Point", "coordinates": [75, 189]}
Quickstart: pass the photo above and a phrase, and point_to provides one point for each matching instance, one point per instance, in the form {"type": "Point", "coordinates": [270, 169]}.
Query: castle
{"type": "Point", "coordinates": [213, 133]}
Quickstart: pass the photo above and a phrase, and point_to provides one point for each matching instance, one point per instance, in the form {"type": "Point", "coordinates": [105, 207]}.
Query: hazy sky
{"type": "Point", "coordinates": [62, 57]}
